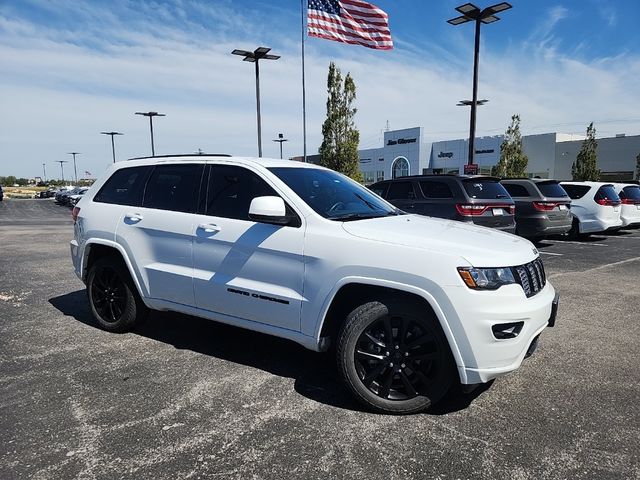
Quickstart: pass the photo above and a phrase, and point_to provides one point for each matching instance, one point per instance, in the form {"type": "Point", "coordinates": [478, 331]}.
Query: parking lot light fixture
{"type": "Point", "coordinates": [113, 147]}
{"type": "Point", "coordinates": [471, 12]}
{"type": "Point", "coordinates": [260, 53]}
{"type": "Point", "coordinates": [75, 171]}
{"type": "Point", "coordinates": [62, 162]}
{"type": "Point", "coordinates": [280, 140]}
{"type": "Point", "coordinates": [151, 115]}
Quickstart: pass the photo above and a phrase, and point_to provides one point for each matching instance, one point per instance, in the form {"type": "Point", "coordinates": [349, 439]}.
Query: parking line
{"type": "Point", "coordinates": [579, 243]}
{"type": "Point", "coordinates": [550, 253]}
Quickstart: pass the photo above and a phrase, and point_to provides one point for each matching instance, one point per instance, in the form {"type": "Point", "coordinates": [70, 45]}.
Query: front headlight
{"type": "Point", "coordinates": [486, 278]}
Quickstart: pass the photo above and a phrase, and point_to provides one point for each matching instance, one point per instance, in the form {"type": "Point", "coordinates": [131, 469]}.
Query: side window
{"type": "Point", "coordinates": [436, 190]}
{"type": "Point", "coordinates": [379, 189]}
{"type": "Point", "coordinates": [124, 187]}
{"type": "Point", "coordinates": [576, 191]}
{"type": "Point", "coordinates": [173, 187]}
{"type": "Point", "coordinates": [516, 190]}
{"type": "Point", "coordinates": [231, 190]}
{"type": "Point", "coordinates": [401, 191]}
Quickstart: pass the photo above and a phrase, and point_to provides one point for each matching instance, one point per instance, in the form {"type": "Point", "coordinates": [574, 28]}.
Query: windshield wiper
{"type": "Point", "coordinates": [355, 216]}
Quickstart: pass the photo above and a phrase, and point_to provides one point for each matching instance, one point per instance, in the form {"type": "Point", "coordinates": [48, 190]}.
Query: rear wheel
{"type": "Point", "coordinates": [113, 298]}
{"type": "Point", "coordinates": [394, 357]}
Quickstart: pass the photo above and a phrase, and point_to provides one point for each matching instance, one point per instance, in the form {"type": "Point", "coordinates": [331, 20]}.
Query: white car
{"type": "Point", "coordinates": [412, 304]}
{"type": "Point", "coordinates": [630, 209]}
{"type": "Point", "coordinates": [595, 207]}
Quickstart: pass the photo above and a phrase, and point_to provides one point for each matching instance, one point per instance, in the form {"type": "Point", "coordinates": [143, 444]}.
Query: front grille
{"type": "Point", "coordinates": [531, 277]}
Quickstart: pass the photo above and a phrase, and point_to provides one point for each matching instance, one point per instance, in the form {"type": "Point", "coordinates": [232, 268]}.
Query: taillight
{"type": "Point", "coordinates": [545, 206]}
{"type": "Point", "coordinates": [512, 209]}
{"type": "Point", "coordinates": [74, 213]}
{"type": "Point", "coordinates": [470, 210]}
{"type": "Point", "coordinates": [630, 201]}
{"type": "Point", "coordinates": [607, 203]}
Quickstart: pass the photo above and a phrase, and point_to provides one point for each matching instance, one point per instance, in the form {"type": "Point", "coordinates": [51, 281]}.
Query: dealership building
{"type": "Point", "coordinates": [404, 152]}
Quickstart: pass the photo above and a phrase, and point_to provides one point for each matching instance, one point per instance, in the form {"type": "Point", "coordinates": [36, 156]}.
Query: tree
{"type": "Point", "coordinates": [339, 149]}
{"type": "Point", "coordinates": [585, 168]}
{"type": "Point", "coordinates": [513, 161]}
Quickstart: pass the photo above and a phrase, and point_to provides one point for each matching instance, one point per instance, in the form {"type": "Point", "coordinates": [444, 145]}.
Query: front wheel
{"type": "Point", "coordinates": [112, 296]}
{"type": "Point", "coordinates": [394, 357]}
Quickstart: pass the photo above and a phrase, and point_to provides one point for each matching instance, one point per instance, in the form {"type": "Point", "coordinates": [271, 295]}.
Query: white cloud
{"type": "Point", "coordinates": [61, 86]}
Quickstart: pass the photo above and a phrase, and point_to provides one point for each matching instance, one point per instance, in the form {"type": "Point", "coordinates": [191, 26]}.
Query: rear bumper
{"type": "Point", "coordinates": [599, 225]}
{"type": "Point", "coordinates": [542, 226]}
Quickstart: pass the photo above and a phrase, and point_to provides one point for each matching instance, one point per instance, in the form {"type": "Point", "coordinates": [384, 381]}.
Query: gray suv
{"type": "Point", "coordinates": [543, 207]}
{"type": "Point", "coordinates": [478, 199]}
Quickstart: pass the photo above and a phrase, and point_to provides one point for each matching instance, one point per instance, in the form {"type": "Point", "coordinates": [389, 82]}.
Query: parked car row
{"type": "Point", "coordinates": [531, 208]}
{"type": "Point", "coordinates": [69, 196]}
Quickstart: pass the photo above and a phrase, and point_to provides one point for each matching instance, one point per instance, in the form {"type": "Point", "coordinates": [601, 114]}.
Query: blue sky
{"type": "Point", "coordinates": [73, 68]}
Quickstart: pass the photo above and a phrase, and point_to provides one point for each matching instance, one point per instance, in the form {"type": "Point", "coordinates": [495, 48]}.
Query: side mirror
{"type": "Point", "coordinates": [268, 210]}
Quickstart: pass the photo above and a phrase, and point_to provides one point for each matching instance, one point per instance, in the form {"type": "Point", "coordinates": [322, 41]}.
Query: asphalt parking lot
{"type": "Point", "coordinates": [188, 398]}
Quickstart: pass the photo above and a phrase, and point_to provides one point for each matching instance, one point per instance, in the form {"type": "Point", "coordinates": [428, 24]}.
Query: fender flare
{"type": "Point", "coordinates": [116, 246]}
{"type": "Point", "coordinates": [430, 299]}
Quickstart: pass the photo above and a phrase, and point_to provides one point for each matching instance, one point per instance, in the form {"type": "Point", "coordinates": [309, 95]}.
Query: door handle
{"type": "Point", "coordinates": [209, 227]}
{"type": "Point", "coordinates": [134, 217]}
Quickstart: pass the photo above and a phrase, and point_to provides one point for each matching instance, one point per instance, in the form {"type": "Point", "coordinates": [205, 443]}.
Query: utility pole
{"type": "Point", "coordinates": [44, 169]}
{"type": "Point", "coordinates": [75, 172]}
{"type": "Point", "coordinates": [62, 162]}
{"type": "Point", "coordinates": [151, 115]}
{"type": "Point", "coordinates": [280, 140]}
{"type": "Point", "coordinates": [113, 146]}
{"type": "Point", "coordinates": [259, 53]}
{"type": "Point", "coordinates": [473, 13]}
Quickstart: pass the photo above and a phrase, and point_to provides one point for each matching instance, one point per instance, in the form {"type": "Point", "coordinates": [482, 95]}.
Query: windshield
{"type": "Point", "coordinates": [333, 195]}
{"type": "Point", "coordinates": [484, 188]}
{"type": "Point", "coordinates": [551, 189]}
{"type": "Point", "coordinates": [631, 193]}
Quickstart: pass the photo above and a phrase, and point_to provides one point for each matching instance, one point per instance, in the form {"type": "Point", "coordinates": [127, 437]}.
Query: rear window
{"type": "Point", "coordinates": [630, 193]}
{"type": "Point", "coordinates": [485, 189]}
{"type": "Point", "coordinates": [124, 187]}
{"type": "Point", "coordinates": [607, 192]}
{"type": "Point", "coordinates": [576, 191]}
{"type": "Point", "coordinates": [551, 189]}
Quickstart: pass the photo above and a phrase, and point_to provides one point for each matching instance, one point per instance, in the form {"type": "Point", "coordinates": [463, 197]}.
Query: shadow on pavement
{"type": "Point", "coordinates": [314, 373]}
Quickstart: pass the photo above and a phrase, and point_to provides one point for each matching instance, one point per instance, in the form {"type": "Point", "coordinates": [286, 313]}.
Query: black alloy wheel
{"type": "Point", "coordinates": [108, 292]}
{"type": "Point", "coordinates": [113, 298]}
{"type": "Point", "coordinates": [394, 357]}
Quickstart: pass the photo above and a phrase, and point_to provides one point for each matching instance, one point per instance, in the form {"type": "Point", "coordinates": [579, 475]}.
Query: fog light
{"type": "Point", "coordinates": [503, 331]}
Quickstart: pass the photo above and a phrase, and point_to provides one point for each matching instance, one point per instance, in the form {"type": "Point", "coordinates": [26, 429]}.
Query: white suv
{"type": "Point", "coordinates": [411, 304]}
{"type": "Point", "coordinates": [630, 209]}
{"type": "Point", "coordinates": [595, 207]}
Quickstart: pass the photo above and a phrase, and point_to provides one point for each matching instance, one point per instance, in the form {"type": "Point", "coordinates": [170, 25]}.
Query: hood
{"type": "Point", "coordinates": [480, 246]}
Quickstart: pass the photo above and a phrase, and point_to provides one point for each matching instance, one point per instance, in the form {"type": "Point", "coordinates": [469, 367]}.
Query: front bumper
{"type": "Point", "coordinates": [485, 357]}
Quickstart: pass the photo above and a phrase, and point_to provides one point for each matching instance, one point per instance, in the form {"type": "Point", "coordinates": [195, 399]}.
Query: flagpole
{"type": "Point", "coordinates": [304, 93]}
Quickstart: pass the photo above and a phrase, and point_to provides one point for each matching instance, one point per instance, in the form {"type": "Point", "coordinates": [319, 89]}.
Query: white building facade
{"type": "Point", "coordinates": [550, 155]}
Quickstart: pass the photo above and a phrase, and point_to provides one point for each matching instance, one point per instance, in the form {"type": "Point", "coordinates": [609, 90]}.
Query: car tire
{"type": "Point", "coordinates": [423, 370]}
{"type": "Point", "coordinates": [574, 232]}
{"type": "Point", "coordinates": [113, 297]}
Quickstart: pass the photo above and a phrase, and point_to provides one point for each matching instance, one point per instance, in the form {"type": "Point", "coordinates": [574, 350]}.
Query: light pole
{"type": "Point", "coordinates": [75, 172]}
{"type": "Point", "coordinates": [258, 54]}
{"type": "Point", "coordinates": [62, 162]}
{"type": "Point", "coordinates": [44, 169]}
{"type": "Point", "coordinates": [151, 115]}
{"type": "Point", "coordinates": [113, 146]}
{"type": "Point", "coordinates": [281, 139]}
{"type": "Point", "coordinates": [471, 12]}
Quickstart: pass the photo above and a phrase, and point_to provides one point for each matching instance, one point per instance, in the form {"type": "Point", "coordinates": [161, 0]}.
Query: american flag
{"type": "Point", "coordinates": [349, 21]}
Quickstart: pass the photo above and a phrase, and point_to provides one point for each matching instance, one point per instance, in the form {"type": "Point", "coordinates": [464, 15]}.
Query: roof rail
{"type": "Point", "coordinates": [183, 155]}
